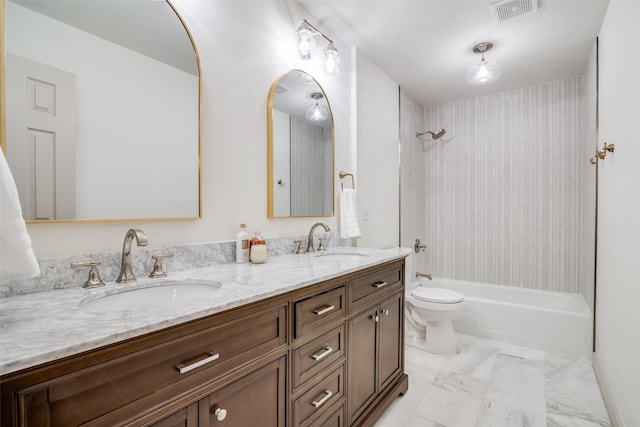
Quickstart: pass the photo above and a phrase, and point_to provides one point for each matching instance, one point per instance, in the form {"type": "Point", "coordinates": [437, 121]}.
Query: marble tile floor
{"type": "Point", "coordinates": [494, 384]}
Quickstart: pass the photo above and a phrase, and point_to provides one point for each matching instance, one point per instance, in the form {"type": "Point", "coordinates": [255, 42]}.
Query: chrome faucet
{"type": "Point", "coordinates": [428, 276]}
{"type": "Point", "coordinates": [126, 275]}
{"type": "Point", "coordinates": [310, 238]}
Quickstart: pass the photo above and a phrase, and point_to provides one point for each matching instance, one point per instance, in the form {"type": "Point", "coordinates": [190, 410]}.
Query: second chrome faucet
{"type": "Point", "coordinates": [126, 273]}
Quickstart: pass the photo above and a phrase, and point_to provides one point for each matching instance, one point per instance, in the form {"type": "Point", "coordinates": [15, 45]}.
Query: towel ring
{"type": "Point", "coordinates": [342, 175]}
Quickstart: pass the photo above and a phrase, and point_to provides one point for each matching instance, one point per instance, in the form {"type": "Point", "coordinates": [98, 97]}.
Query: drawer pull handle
{"type": "Point", "coordinates": [319, 356]}
{"type": "Point", "coordinates": [319, 403]}
{"type": "Point", "coordinates": [182, 368]}
{"type": "Point", "coordinates": [321, 311]}
{"type": "Point", "coordinates": [220, 414]}
{"type": "Point", "coordinates": [380, 285]}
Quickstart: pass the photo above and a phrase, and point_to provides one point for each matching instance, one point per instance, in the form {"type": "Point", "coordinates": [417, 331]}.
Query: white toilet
{"type": "Point", "coordinates": [432, 310]}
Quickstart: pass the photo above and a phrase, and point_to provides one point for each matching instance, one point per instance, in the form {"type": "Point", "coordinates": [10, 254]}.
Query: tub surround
{"type": "Point", "coordinates": [44, 326]}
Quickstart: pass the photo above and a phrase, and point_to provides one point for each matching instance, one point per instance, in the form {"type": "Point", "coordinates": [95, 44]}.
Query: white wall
{"type": "Point", "coordinates": [378, 176]}
{"type": "Point", "coordinates": [243, 47]}
{"type": "Point", "coordinates": [618, 258]}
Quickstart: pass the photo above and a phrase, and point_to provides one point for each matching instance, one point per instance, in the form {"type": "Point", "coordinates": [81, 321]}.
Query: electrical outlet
{"type": "Point", "coordinates": [366, 214]}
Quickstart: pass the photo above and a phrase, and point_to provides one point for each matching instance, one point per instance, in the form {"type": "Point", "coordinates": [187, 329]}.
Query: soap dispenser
{"type": "Point", "coordinates": [258, 249]}
{"type": "Point", "coordinates": [242, 245]}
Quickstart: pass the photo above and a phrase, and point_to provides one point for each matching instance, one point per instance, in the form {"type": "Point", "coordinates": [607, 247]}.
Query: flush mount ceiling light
{"type": "Point", "coordinates": [306, 43]}
{"type": "Point", "coordinates": [317, 113]}
{"type": "Point", "coordinates": [484, 72]}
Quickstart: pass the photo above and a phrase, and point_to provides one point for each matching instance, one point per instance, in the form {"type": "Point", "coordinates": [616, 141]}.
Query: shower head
{"type": "Point", "coordinates": [434, 135]}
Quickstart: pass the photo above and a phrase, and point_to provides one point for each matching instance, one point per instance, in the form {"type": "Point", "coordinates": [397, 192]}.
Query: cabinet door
{"type": "Point", "coordinates": [362, 361]}
{"type": "Point", "coordinates": [187, 417]}
{"type": "Point", "coordinates": [257, 399]}
{"type": "Point", "coordinates": [390, 336]}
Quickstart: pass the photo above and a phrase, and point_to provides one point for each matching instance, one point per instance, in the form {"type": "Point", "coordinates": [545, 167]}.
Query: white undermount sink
{"type": "Point", "coordinates": [165, 295]}
{"type": "Point", "coordinates": [341, 251]}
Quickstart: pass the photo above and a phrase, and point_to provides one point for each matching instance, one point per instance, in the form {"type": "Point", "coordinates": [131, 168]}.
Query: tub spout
{"type": "Point", "coordinates": [428, 276]}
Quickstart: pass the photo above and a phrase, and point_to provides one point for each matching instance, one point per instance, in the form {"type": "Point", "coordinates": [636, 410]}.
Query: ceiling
{"type": "Point", "coordinates": [426, 45]}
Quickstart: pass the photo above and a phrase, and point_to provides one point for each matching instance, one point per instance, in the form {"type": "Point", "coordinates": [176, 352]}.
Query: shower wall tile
{"type": "Point", "coordinates": [503, 190]}
{"type": "Point", "coordinates": [412, 180]}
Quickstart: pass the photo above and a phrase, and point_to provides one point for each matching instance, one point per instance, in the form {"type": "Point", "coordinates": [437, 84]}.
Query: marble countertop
{"type": "Point", "coordinates": [45, 326]}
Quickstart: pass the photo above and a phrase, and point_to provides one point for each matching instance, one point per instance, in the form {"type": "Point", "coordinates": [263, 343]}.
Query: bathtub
{"type": "Point", "coordinates": [550, 321]}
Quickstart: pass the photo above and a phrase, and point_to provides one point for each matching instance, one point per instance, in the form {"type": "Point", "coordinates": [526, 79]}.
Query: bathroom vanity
{"type": "Point", "coordinates": [323, 347]}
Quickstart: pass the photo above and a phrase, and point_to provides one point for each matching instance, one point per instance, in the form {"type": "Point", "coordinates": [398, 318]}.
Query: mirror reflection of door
{"type": "Point", "coordinates": [41, 112]}
{"type": "Point", "coordinates": [301, 146]}
{"type": "Point", "coordinates": [281, 160]}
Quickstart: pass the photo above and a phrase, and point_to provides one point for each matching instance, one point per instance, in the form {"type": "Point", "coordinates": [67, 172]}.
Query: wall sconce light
{"type": "Point", "coordinates": [484, 72]}
{"type": "Point", "coordinates": [317, 113]}
{"type": "Point", "coordinates": [306, 43]}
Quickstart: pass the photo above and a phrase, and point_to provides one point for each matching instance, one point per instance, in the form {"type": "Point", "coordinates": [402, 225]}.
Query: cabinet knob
{"type": "Point", "coordinates": [385, 312]}
{"type": "Point", "coordinates": [220, 414]}
{"type": "Point", "coordinates": [376, 318]}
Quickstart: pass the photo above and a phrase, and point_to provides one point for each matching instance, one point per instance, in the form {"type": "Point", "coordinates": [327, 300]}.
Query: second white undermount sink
{"type": "Point", "coordinates": [165, 295]}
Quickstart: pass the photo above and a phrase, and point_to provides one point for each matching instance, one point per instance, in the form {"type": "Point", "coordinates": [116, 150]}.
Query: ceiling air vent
{"type": "Point", "coordinates": [507, 9]}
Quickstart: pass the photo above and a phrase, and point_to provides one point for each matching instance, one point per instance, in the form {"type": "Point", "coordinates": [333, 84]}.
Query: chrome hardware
{"type": "Point", "coordinates": [281, 182]}
{"type": "Point", "coordinates": [319, 356]}
{"type": "Point", "coordinates": [380, 285]}
{"type": "Point", "coordinates": [385, 312]}
{"type": "Point", "coordinates": [158, 269]}
{"type": "Point", "coordinates": [299, 248]}
{"type": "Point", "coordinates": [94, 280]}
{"type": "Point", "coordinates": [321, 311]}
{"type": "Point", "coordinates": [220, 414]}
{"type": "Point", "coordinates": [428, 276]}
{"type": "Point", "coordinates": [182, 368]}
{"type": "Point", "coordinates": [375, 318]}
{"type": "Point", "coordinates": [126, 274]}
{"type": "Point", "coordinates": [319, 403]}
{"type": "Point", "coordinates": [321, 245]}
{"type": "Point", "coordinates": [417, 247]}
{"type": "Point", "coordinates": [310, 238]}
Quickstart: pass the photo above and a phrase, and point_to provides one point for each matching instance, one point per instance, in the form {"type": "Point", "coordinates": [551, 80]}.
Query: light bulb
{"type": "Point", "coordinates": [306, 42]}
{"type": "Point", "coordinates": [331, 59]}
{"type": "Point", "coordinates": [317, 113]}
{"type": "Point", "coordinates": [483, 73]}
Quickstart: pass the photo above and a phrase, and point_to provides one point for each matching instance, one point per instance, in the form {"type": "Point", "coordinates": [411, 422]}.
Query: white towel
{"type": "Point", "coordinates": [17, 260]}
{"type": "Point", "coordinates": [348, 214]}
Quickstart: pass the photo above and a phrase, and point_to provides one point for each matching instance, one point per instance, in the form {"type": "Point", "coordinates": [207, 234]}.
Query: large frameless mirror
{"type": "Point", "coordinates": [102, 110]}
{"type": "Point", "coordinates": [300, 148]}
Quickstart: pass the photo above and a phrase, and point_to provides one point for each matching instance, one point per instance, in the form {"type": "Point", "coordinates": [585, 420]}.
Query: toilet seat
{"type": "Point", "coordinates": [437, 295]}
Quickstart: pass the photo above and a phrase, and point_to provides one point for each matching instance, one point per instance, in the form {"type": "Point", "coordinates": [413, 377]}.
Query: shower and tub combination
{"type": "Point", "coordinates": [556, 322]}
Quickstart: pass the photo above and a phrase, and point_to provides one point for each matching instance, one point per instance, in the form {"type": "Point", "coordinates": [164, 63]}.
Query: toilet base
{"type": "Point", "coordinates": [440, 338]}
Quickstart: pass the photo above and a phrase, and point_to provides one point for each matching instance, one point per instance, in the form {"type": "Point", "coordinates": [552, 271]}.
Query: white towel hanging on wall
{"type": "Point", "coordinates": [17, 260]}
{"type": "Point", "coordinates": [349, 227]}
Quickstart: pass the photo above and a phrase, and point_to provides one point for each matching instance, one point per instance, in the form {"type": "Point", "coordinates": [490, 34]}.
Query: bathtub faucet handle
{"type": "Point", "coordinates": [417, 247]}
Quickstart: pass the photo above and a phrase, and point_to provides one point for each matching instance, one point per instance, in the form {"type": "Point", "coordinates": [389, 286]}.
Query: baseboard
{"type": "Point", "coordinates": [612, 410]}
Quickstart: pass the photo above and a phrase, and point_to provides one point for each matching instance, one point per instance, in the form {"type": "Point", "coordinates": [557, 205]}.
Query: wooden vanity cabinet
{"type": "Point", "coordinates": [330, 354]}
{"type": "Point", "coordinates": [375, 359]}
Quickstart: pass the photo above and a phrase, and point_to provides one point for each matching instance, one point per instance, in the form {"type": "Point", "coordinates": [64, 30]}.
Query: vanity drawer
{"type": "Point", "coordinates": [311, 358]}
{"type": "Point", "coordinates": [178, 365]}
{"type": "Point", "coordinates": [334, 418]}
{"type": "Point", "coordinates": [366, 288]}
{"type": "Point", "coordinates": [327, 392]}
{"type": "Point", "coordinates": [319, 310]}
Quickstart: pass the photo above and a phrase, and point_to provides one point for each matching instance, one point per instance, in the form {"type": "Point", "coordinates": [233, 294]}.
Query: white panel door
{"type": "Point", "coordinates": [41, 138]}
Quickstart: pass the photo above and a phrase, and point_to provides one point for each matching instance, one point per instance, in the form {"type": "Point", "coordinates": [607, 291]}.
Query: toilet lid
{"type": "Point", "coordinates": [438, 295]}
